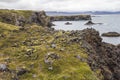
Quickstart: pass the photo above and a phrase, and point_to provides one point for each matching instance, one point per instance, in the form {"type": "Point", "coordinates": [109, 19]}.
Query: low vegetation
{"type": "Point", "coordinates": [26, 48]}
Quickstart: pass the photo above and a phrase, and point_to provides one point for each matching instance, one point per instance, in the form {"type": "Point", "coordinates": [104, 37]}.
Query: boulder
{"type": "Point", "coordinates": [3, 67]}
{"type": "Point", "coordinates": [53, 45]}
{"type": "Point", "coordinates": [21, 71]}
{"type": "Point", "coordinates": [50, 58]}
{"type": "Point", "coordinates": [62, 49]}
{"type": "Point", "coordinates": [29, 52]}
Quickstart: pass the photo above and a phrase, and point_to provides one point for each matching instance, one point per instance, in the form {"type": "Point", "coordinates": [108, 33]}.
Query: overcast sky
{"type": "Point", "coordinates": [62, 5]}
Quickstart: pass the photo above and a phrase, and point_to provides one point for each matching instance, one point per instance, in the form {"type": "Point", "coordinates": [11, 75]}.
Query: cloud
{"type": "Point", "coordinates": [8, 1]}
{"type": "Point", "coordinates": [62, 5]}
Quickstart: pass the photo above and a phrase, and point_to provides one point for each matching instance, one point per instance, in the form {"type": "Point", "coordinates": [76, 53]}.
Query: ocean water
{"type": "Point", "coordinates": [111, 23]}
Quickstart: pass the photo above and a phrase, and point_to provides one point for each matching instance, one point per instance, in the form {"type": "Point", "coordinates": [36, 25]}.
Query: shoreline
{"type": "Point", "coordinates": [72, 53]}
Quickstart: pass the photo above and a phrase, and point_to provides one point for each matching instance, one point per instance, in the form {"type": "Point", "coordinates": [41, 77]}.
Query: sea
{"type": "Point", "coordinates": [110, 23]}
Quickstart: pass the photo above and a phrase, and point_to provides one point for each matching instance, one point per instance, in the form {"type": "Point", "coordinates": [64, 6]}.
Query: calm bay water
{"type": "Point", "coordinates": [111, 23]}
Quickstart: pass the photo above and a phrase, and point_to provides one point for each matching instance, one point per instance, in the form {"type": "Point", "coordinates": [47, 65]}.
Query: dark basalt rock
{"type": "Point", "coordinates": [21, 71]}
{"type": "Point", "coordinates": [70, 18]}
{"type": "Point", "coordinates": [117, 74]}
{"type": "Point", "coordinates": [68, 23]}
{"type": "Point", "coordinates": [89, 23]}
{"type": "Point", "coordinates": [53, 24]}
{"type": "Point", "coordinates": [111, 34]}
{"type": "Point", "coordinates": [104, 55]}
{"type": "Point", "coordinates": [101, 56]}
{"type": "Point", "coordinates": [118, 45]}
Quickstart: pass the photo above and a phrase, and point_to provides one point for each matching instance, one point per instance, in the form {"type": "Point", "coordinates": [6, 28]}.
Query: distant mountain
{"type": "Point", "coordinates": [105, 12]}
{"type": "Point", "coordinates": [86, 12]}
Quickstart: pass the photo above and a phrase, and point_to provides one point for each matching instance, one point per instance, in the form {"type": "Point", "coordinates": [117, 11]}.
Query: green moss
{"type": "Point", "coordinates": [10, 16]}
{"type": "Point", "coordinates": [67, 67]}
{"type": "Point", "coordinates": [9, 27]}
{"type": "Point", "coordinates": [25, 13]}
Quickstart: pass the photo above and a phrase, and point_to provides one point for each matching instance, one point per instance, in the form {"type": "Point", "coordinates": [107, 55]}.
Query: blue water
{"type": "Point", "coordinates": [111, 23]}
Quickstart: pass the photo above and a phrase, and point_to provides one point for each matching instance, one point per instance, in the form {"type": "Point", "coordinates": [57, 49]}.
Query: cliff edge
{"type": "Point", "coordinates": [24, 17]}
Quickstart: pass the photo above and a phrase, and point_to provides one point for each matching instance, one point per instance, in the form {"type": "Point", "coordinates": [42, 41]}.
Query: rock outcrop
{"type": "Point", "coordinates": [89, 23]}
{"type": "Point", "coordinates": [92, 23]}
{"type": "Point", "coordinates": [111, 34]}
{"type": "Point", "coordinates": [103, 56]}
{"type": "Point", "coordinates": [28, 47]}
{"type": "Point", "coordinates": [70, 18]}
{"type": "Point", "coordinates": [68, 23]}
{"type": "Point", "coordinates": [23, 18]}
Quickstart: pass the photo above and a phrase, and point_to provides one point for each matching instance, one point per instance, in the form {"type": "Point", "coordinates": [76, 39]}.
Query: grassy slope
{"type": "Point", "coordinates": [25, 13]}
{"type": "Point", "coordinates": [13, 53]}
{"type": "Point", "coordinates": [9, 16]}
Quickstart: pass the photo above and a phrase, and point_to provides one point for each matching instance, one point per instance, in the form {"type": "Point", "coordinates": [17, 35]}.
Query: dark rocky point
{"type": "Point", "coordinates": [70, 18]}
{"type": "Point", "coordinates": [101, 55]}
{"type": "Point", "coordinates": [92, 23]}
{"type": "Point", "coordinates": [89, 23]}
{"type": "Point", "coordinates": [104, 55]}
{"type": "Point", "coordinates": [111, 34]}
{"type": "Point", "coordinates": [68, 23]}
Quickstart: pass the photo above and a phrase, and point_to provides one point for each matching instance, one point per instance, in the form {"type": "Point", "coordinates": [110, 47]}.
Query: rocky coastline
{"type": "Point", "coordinates": [23, 18]}
{"type": "Point", "coordinates": [63, 54]}
{"type": "Point", "coordinates": [102, 56]}
{"type": "Point", "coordinates": [70, 18]}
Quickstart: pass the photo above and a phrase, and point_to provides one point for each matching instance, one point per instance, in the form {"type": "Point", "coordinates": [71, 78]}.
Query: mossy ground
{"type": "Point", "coordinates": [10, 16]}
{"type": "Point", "coordinates": [25, 13]}
{"type": "Point", "coordinates": [14, 44]}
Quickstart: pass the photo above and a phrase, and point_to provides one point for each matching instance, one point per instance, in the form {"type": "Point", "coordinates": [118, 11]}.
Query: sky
{"type": "Point", "coordinates": [62, 5]}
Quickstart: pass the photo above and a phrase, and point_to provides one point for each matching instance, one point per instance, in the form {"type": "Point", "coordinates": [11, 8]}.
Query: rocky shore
{"type": "Point", "coordinates": [102, 56]}
{"type": "Point", "coordinates": [41, 52]}
{"type": "Point", "coordinates": [70, 18]}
